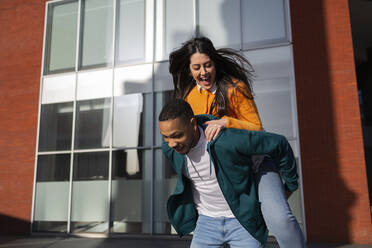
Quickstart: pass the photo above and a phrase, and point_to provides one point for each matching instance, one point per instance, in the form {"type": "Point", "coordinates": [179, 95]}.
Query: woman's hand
{"type": "Point", "coordinates": [214, 127]}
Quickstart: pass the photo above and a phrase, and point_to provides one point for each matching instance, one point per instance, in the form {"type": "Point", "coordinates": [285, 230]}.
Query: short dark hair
{"type": "Point", "coordinates": [174, 109]}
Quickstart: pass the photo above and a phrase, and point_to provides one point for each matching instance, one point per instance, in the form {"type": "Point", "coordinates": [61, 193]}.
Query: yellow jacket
{"type": "Point", "coordinates": [242, 114]}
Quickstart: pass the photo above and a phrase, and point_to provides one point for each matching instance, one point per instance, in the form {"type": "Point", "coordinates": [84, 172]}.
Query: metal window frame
{"type": "Point", "coordinates": [47, 37]}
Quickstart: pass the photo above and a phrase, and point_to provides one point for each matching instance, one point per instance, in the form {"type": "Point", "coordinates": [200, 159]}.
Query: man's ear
{"type": "Point", "coordinates": [193, 123]}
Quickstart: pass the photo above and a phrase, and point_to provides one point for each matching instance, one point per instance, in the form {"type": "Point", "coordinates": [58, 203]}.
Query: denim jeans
{"type": "Point", "coordinates": [275, 209]}
{"type": "Point", "coordinates": [215, 232]}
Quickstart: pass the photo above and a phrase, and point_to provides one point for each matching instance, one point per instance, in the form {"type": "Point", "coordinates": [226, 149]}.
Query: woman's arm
{"type": "Point", "coordinates": [243, 114]}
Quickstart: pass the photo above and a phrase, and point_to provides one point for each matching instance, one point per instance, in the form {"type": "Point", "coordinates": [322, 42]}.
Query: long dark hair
{"type": "Point", "coordinates": [230, 66]}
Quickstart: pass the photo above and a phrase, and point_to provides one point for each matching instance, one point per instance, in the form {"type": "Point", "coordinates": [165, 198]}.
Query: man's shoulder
{"type": "Point", "coordinates": [201, 119]}
{"type": "Point", "coordinates": [234, 136]}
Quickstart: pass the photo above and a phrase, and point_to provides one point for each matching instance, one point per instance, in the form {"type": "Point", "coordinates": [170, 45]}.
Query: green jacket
{"type": "Point", "coordinates": [231, 154]}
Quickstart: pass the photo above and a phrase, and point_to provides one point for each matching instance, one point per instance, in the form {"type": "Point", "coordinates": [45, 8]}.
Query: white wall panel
{"type": "Point", "coordinates": [94, 84]}
{"type": "Point", "coordinates": [58, 88]}
{"type": "Point", "coordinates": [133, 79]}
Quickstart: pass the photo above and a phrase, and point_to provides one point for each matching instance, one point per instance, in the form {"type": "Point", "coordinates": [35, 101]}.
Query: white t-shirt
{"type": "Point", "coordinates": [207, 194]}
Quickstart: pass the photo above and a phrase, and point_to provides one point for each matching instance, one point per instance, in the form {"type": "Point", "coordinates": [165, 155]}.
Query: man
{"type": "Point", "coordinates": [215, 194]}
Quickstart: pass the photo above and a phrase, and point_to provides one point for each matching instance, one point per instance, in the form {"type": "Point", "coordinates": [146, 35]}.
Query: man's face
{"type": "Point", "coordinates": [179, 134]}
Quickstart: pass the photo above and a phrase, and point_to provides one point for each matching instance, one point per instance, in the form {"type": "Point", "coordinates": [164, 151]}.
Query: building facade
{"type": "Point", "coordinates": [82, 83]}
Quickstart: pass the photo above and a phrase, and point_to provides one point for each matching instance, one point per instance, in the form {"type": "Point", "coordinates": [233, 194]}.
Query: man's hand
{"type": "Point", "coordinates": [214, 127]}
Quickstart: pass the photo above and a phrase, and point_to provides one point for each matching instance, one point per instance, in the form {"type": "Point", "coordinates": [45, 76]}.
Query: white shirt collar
{"type": "Point", "coordinates": [212, 90]}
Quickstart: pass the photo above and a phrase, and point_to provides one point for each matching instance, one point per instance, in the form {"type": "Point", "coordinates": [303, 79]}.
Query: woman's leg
{"type": "Point", "coordinates": [275, 209]}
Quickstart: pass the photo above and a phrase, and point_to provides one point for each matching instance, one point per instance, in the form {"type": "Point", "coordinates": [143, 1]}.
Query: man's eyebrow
{"type": "Point", "coordinates": [172, 134]}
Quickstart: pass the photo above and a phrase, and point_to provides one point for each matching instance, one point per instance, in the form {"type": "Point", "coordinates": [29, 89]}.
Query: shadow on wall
{"type": "Point", "coordinates": [328, 201]}
{"type": "Point", "coordinates": [13, 226]}
{"type": "Point", "coordinates": [364, 76]}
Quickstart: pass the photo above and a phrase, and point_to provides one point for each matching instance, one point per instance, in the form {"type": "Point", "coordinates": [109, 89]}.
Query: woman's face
{"type": "Point", "coordinates": [203, 70]}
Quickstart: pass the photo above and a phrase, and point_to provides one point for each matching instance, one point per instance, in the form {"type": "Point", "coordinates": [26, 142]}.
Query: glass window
{"type": "Point", "coordinates": [96, 33]}
{"type": "Point", "coordinates": [91, 166]}
{"type": "Point", "coordinates": [133, 106]}
{"type": "Point", "coordinates": [163, 88]}
{"type": "Point", "coordinates": [54, 167]}
{"type": "Point", "coordinates": [51, 193]}
{"type": "Point", "coordinates": [258, 29]}
{"type": "Point", "coordinates": [162, 78]}
{"type": "Point", "coordinates": [90, 208]}
{"type": "Point", "coordinates": [273, 89]}
{"type": "Point", "coordinates": [175, 25]}
{"type": "Point", "coordinates": [61, 37]}
{"type": "Point", "coordinates": [130, 38]}
{"type": "Point", "coordinates": [131, 179]}
{"type": "Point", "coordinates": [55, 127]}
{"type": "Point", "coordinates": [132, 120]}
{"type": "Point", "coordinates": [161, 98]}
{"type": "Point", "coordinates": [164, 184]}
{"type": "Point", "coordinates": [219, 20]}
{"type": "Point", "coordinates": [92, 124]}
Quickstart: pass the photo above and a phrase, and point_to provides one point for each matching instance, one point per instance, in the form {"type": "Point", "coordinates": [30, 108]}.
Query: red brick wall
{"type": "Point", "coordinates": [333, 166]}
{"type": "Point", "coordinates": [21, 37]}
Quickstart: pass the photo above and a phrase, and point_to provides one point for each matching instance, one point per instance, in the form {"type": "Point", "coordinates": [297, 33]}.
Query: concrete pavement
{"type": "Point", "coordinates": [116, 242]}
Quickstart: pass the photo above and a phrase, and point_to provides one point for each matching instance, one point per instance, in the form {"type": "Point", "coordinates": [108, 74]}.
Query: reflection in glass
{"type": "Point", "coordinates": [132, 120]}
{"type": "Point", "coordinates": [51, 194]}
{"type": "Point", "coordinates": [161, 98]}
{"type": "Point", "coordinates": [177, 25]}
{"type": "Point", "coordinates": [91, 166]}
{"type": "Point", "coordinates": [165, 183]}
{"type": "Point", "coordinates": [92, 123]}
{"type": "Point", "coordinates": [275, 105]}
{"type": "Point", "coordinates": [90, 208]}
{"type": "Point", "coordinates": [126, 164]}
{"type": "Point", "coordinates": [273, 90]}
{"type": "Point", "coordinates": [133, 79]}
{"type": "Point", "coordinates": [131, 191]}
{"type": "Point", "coordinates": [96, 34]}
{"type": "Point", "coordinates": [162, 78]}
{"type": "Point", "coordinates": [219, 20]}
{"type": "Point", "coordinates": [55, 127]}
{"type": "Point", "coordinates": [54, 167]}
{"type": "Point", "coordinates": [130, 32]}
{"type": "Point", "coordinates": [258, 29]}
{"type": "Point", "coordinates": [61, 37]}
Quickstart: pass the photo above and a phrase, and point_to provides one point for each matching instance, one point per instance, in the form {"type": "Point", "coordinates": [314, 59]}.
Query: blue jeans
{"type": "Point", "coordinates": [215, 232]}
{"type": "Point", "coordinates": [275, 209]}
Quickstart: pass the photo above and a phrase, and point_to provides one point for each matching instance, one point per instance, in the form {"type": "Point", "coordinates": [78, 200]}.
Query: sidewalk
{"type": "Point", "coordinates": [74, 242]}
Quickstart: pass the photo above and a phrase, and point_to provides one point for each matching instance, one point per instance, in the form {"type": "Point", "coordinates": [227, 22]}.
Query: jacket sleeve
{"type": "Point", "coordinates": [263, 143]}
{"type": "Point", "coordinates": [243, 113]}
{"type": "Point", "coordinates": [167, 151]}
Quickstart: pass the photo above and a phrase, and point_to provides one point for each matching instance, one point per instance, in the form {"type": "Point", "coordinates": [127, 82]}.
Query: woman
{"type": "Point", "coordinates": [226, 85]}
{"type": "Point", "coordinates": [218, 82]}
